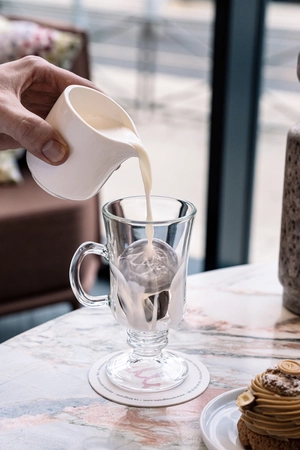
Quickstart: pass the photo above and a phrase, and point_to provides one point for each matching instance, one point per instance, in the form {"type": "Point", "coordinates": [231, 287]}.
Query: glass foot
{"type": "Point", "coordinates": [147, 373]}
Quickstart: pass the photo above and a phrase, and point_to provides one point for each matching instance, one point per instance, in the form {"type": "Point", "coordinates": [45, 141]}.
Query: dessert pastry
{"type": "Point", "coordinates": [270, 409]}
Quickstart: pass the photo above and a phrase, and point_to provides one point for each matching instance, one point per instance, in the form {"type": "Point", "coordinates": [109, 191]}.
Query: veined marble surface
{"type": "Point", "coordinates": [234, 322]}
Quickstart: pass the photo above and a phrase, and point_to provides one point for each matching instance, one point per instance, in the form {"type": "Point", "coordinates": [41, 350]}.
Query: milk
{"type": "Point", "coordinates": [116, 131]}
{"type": "Point", "coordinates": [136, 309]}
{"type": "Point", "coordinates": [143, 304]}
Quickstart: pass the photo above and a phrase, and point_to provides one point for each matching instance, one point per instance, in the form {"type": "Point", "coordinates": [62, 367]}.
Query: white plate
{"type": "Point", "coordinates": [218, 422]}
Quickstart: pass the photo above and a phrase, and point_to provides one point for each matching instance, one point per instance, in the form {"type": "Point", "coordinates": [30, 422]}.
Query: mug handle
{"type": "Point", "coordinates": [74, 274]}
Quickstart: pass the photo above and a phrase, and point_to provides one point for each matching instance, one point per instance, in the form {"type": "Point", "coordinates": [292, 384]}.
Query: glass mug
{"type": "Point", "coordinates": [148, 270]}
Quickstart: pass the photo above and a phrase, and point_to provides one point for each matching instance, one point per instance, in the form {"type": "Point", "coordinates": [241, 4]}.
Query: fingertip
{"type": "Point", "coordinates": [55, 152]}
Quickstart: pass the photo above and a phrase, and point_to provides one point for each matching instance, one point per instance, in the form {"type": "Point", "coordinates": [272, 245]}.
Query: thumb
{"type": "Point", "coordinates": [36, 135]}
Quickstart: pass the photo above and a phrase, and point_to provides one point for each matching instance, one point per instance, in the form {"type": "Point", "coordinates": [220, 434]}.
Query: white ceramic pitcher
{"type": "Point", "coordinates": [100, 135]}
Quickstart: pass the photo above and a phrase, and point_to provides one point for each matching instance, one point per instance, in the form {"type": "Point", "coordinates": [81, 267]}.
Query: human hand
{"type": "Point", "coordinates": [29, 87]}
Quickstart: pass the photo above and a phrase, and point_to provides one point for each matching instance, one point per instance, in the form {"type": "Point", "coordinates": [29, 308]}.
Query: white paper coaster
{"type": "Point", "coordinates": [195, 383]}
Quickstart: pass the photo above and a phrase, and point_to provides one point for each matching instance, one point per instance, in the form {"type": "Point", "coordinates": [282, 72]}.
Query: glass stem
{"type": "Point", "coordinates": [147, 344]}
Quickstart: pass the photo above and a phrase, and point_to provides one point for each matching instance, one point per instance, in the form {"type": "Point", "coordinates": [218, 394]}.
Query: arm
{"type": "Point", "coordinates": [29, 87]}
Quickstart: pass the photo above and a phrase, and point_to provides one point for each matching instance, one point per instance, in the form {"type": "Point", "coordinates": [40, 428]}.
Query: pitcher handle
{"type": "Point", "coordinates": [74, 274]}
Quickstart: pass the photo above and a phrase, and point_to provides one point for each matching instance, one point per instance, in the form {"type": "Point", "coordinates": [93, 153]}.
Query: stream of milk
{"type": "Point", "coordinates": [116, 131]}
{"type": "Point", "coordinates": [138, 303]}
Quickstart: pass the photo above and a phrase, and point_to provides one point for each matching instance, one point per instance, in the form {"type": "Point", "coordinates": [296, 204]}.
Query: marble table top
{"type": "Point", "coordinates": [234, 322]}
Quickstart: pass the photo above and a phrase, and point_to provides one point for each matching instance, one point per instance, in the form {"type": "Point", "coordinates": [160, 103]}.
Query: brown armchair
{"type": "Point", "coordinates": [39, 233]}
